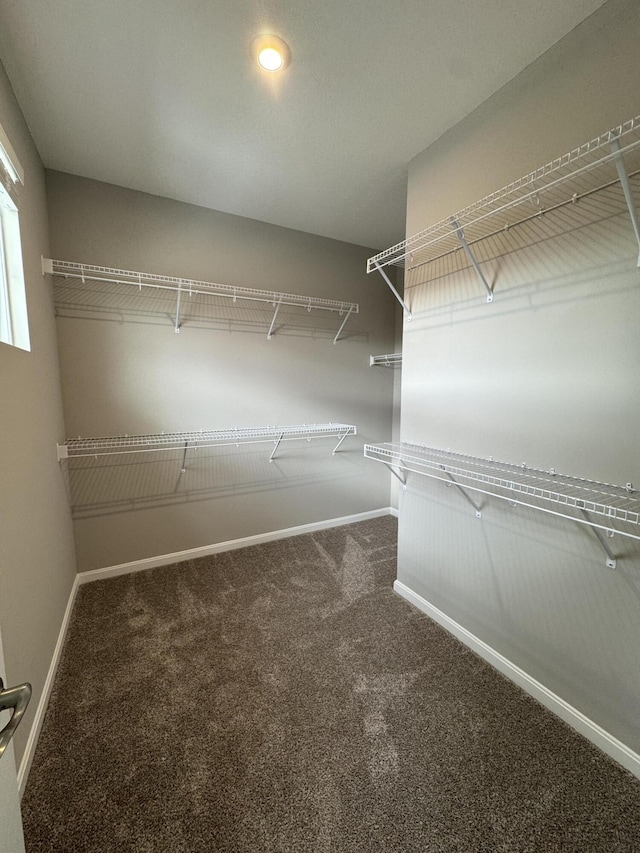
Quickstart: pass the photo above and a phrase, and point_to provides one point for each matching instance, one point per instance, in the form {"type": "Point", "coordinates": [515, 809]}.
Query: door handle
{"type": "Point", "coordinates": [16, 699]}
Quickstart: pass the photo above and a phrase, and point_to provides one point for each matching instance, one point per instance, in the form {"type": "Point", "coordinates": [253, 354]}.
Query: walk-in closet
{"type": "Point", "coordinates": [319, 417]}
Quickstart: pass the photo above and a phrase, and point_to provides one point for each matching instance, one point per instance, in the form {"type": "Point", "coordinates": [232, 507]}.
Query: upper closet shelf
{"type": "Point", "coordinates": [200, 438]}
{"type": "Point", "coordinates": [608, 159]}
{"type": "Point", "coordinates": [615, 509]}
{"type": "Point", "coordinates": [391, 359]}
{"type": "Point", "coordinates": [185, 288]}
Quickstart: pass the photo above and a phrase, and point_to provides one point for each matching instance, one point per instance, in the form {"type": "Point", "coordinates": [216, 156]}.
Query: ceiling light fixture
{"type": "Point", "coordinates": [271, 53]}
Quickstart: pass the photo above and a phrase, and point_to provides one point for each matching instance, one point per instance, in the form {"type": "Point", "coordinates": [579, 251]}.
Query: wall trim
{"type": "Point", "coordinates": [231, 545]}
{"type": "Point", "coordinates": [36, 726]}
{"type": "Point", "coordinates": [576, 719]}
{"type": "Point", "coordinates": [394, 512]}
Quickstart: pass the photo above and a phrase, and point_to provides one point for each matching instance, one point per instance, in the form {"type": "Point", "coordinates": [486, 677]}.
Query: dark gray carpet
{"type": "Point", "coordinates": [283, 698]}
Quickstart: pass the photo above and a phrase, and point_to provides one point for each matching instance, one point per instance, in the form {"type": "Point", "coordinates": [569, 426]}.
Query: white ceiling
{"type": "Point", "coordinates": [163, 96]}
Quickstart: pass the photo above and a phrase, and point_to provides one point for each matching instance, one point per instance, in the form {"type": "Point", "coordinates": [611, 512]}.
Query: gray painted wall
{"type": "Point", "coordinates": [124, 370]}
{"type": "Point", "coordinates": [548, 375]}
{"type": "Point", "coordinates": [37, 565]}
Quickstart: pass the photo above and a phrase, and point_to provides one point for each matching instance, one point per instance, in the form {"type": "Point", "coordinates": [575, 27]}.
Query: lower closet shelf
{"type": "Point", "coordinates": [615, 509]}
{"type": "Point", "coordinates": [123, 444]}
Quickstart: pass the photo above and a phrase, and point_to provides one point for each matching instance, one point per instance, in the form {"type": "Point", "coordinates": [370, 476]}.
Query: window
{"type": "Point", "coordinates": [14, 327]}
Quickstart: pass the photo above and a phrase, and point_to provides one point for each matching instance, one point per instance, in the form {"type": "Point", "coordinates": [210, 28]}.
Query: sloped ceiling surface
{"type": "Point", "coordinates": [163, 96]}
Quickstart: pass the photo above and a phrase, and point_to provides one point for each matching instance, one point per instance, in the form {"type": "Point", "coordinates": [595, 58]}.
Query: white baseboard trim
{"type": "Point", "coordinates": [34, 734]}
{"type": "Point", "coordinates": [231, 545]}
{"type": "Point", "coordinates": [576, 719]}
{"type": "Point", "coordinates": [394, 512]}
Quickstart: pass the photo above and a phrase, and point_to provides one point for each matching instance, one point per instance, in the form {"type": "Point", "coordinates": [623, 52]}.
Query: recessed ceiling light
{"type": "Point", "coordinates": [271, 52]}
{"type": "Point", "coordinates": [270, 59]}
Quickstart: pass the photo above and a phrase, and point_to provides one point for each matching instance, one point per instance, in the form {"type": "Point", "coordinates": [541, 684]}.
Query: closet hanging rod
{"type": "Point", "coordinates": [155, 442]}
{"type": "Point", "coordinates": [564, 179]}
{"type": "Point", "coordinates": [185, 286]}
{"type": "Point", "coordinates": [602, 505]}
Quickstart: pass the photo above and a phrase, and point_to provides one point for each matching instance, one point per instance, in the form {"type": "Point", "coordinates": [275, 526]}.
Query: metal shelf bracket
{"type": "Point", "coordinates": [626, 189]}
{"type": "Point", "coordinates": [463, 242]}
{"type": "Point", "coordinates": [463, 492]}
{"type": "Point", "coordinates": [277, 307]}
{"type": "Point", "coordinates": [342, 438]}
{"type": "Point", "coordinates": [397, 476]}
{"type": "Point", "coordinates": [394, 291]}
{"type": "Point", "coordinates": [179, 296]}
{"type": "Point", "coordinates": [344, 323]}
{"type": "Point", "coordinates": [611, 560]}
{"type": "Point", "coordinates": [276, 444]}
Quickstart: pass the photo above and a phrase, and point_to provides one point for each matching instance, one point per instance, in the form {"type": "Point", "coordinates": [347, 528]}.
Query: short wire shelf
{"type": "Point", "coordinates": [154, 442]}
{"type": "Point", "coordinates": [609, 159]}
{"type": "Point", "coordinates": [615, 509]}
{"type": "Point", "coordinates": [392, 359]}
{"type": "Point", "coordinates": [184, 288]}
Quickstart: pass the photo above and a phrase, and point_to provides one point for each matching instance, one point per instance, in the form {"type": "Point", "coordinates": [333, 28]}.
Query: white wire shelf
{"type": "Point", "coordinates": [185, 288]}
{"type": "Point", "coordinates": [606, 160]}
{"type": "Point", "coordinates": [156, 442]}
{"type": "Point", "coordinates": [392, 359]}
{"type": "Point", "coordinates": [615, 509]}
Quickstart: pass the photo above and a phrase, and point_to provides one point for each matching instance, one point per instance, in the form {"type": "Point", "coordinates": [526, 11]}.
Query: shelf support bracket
{"type": "Point", "coordinates": [626, 189]}
{"type": "Point", "coordinates": [184, 459]}
{"type": "Point", "coordinates": [394, 291]}
{"type": "Point", "coordinates": [397, 476]}
{"type": "Point", "coordinates": [177, 324]}
{"type": "Point", "coordinates": [273, 322]}
{"type": "Point", "coordinates": [611, 560]}
{"type": "Point", "coordinates": [344, 323]}
{"type": "Point", "coordinates": [463, 492]}
{"type": "Point", "coordinates": [342, 438]}
{"type": "Point", "coordinates": [463, 242]}
{"type": "Point", "coordinates": [277, 443]}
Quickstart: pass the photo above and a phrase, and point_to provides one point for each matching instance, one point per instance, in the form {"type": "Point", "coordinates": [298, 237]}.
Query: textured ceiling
{"type": "Point", "coordinates": [163, 96]}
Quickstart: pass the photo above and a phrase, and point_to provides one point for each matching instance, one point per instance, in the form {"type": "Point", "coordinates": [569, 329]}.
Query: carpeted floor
{"type": "Point", "coordinates": [283, 698]}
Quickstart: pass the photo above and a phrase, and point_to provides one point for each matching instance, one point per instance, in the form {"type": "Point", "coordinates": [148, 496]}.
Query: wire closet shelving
{"type": "Point", "coordinates": [393, 359]}
{"type": "Point", "coordinates": [605, 161]}
{"type": "Point", "coordinates": [185, 288]}
{"type": "Point", "coordinates": [156, 442]}
{"type": "Point", "coordinates": [614, 509]}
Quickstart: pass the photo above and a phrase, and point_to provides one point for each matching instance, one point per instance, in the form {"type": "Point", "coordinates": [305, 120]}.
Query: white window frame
{"type": "Point", "coordinates": [14, 325]}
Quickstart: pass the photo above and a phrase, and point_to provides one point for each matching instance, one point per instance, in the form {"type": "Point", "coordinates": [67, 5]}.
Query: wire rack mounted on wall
{"type": "Point", "coordinates": [608, 160]}
{"type": "Point", "coordinates": [185, 288]}
{"type": "Point", "coordinates": [393, 359]}
{"type": "Point", "coordinates": [614, 509]}
{"type": "Point", "coordinates": [156, 442]}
